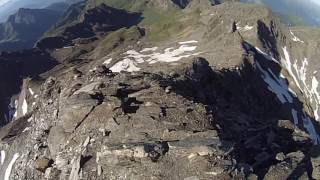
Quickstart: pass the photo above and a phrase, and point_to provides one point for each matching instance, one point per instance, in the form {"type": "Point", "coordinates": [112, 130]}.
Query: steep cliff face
{"type": "Point", "coordinates": [204, 92]}
{"type": "Point", "coordinates": [25, 27]}
{"type": "Point", "coordinates": [14, 68]}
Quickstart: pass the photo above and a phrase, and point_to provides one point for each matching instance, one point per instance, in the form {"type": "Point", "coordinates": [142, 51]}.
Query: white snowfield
{"type": "Point", "coordinates": [295, 38]}
{"type": "Point", "coordinates": [133, 58]}
{"type": "Point", "coordinates": [279, 86]}
{"type": "Point", "coordinates": [24, 106]}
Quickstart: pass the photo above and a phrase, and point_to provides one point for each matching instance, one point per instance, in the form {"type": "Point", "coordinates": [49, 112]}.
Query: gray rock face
{"type": "Point", "coordinates": [56, 139]}
{"type": "Point", "coordinates": [79, 107]}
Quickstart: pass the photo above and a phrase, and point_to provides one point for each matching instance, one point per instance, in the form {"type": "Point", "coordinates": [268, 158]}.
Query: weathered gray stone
{"type": "Point", "coordinates": [76, 110]}
{"type": "Point", "coordinates": [42, 163]}
{"type": "Point", "coordinates": [57, 139]}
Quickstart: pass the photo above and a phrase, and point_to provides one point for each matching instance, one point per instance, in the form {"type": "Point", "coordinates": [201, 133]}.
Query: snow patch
{"type": "Point", "coordinates": [269, 57]}
{"type": "Point", "coordinates": [26, 129]}
{"type": "Point", "coordinates": [3, 156]}
{"type": "Point", "coordinates": [314, 88]}
{"type": "Point", "coordinates": [125, 65]}
{"type": "Point", "coordinates": [108, 61]}
{"type": "Point", "coordinates": [16, 103]}
{"type": "Point", "coordinates": [31, 91]}
{"type": "Point", "coordinates": [315, 97]}
{"type": "Point", "coordinates": [287, 63]}
{"type": "Point", "coordinates": [133, 58]}
{"type": "Point", "coordinates": [24, 107]}
{"type": "Point", "coordinates": [245, 28]}
{"type": "Point", "coordinates": [295, 38]}
{"type": "Point", "coordinates": [149, 49]}
{"type": "Point", "coordinates": [10, 166]}
{"type": "Point", "coordinates": [188, 42]}
{"type": "Point", "coordinates": [299, 75]}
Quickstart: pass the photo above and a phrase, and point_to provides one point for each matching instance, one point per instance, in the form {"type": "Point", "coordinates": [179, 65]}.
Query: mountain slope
{"type": "Point", "coordinates": [12, 6]}
{"type": "Point", "coordinates": [25, 27]}
{"type": "Point", "coordinates": [193, 92]}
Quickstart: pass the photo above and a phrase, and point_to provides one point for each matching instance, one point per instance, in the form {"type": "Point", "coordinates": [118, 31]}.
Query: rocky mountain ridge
{"type": "Point", "coordinates": [187, 92]}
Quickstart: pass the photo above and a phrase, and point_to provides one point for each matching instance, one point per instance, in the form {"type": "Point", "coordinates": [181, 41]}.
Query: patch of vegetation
{"type": "Point", "coordinates": [120, 36]}
{"type": "Point", "coordinates": [308, 33]}
{"type": "Point", "coordinates": [160, 23]}
{"type": "Point", "coordinates": [292, 20]}
{"type": "Point", "coordinates": [133, 5]}
{"type": "Point", "coordinates": [163, 26]}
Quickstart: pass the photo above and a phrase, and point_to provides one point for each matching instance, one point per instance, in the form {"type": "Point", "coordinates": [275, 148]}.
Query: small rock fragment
{"type": "Point", "coordinates": [42, 164]}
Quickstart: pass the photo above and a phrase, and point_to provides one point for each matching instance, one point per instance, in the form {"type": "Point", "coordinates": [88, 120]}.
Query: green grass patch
{"type": "Point", "coordinates": [120, 36]}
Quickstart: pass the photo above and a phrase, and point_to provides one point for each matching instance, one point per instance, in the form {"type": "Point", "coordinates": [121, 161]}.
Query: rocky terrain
{"type": "Point", "coordinates": [159, 89]}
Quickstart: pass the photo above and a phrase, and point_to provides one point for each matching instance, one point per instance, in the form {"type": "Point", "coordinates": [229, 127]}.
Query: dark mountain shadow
{"type": "Point", "coordinates": [244, 111]}
{"type": "Point", "coordinates": [268, 37]}
{"type": "Point", "coordinates": [13, 68]}
{"type": "Point", "coordinates": [181, 3]}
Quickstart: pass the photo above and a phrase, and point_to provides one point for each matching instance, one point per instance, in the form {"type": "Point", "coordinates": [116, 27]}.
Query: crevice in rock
{"type": "Point", "coordinates": [85, 117]}
{"type": "Point", "coordinates": [129, 105]}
